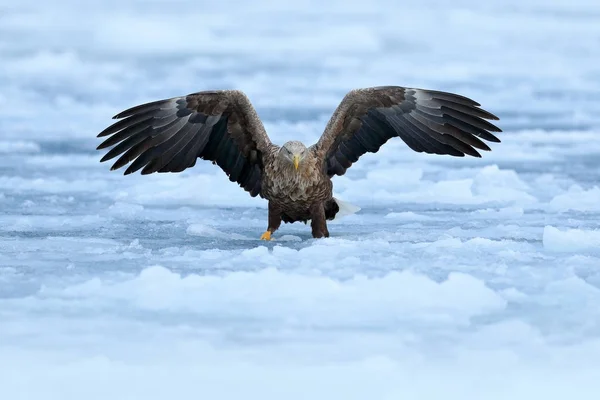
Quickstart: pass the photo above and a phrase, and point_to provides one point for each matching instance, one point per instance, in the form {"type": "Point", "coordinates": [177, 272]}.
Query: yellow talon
{"type": "Point", "coordinates": [266, 236]}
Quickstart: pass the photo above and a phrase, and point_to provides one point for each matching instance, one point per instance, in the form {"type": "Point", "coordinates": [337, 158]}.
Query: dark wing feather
{"type": "Point", "coordinates": [426, 120]}
{"type": "Point", "coordinates": [170, 135]}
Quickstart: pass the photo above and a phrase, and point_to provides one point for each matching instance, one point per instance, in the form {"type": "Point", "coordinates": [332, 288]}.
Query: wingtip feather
{"type": "Point", "coordinates": [105, 132]}
{"type": "Point", "coordinates": [474, 153]}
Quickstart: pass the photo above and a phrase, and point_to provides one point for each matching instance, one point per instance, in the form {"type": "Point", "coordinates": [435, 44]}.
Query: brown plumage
{"type": "Point", "coordinates": [222, 126]}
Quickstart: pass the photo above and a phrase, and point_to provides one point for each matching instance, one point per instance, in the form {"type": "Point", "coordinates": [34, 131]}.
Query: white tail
{"type": "Point", "coordinates": [345, 209]}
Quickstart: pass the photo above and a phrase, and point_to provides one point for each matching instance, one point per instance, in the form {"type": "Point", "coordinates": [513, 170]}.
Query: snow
{"type": "Point", "coordinates": [578, 199]}
{"type": "Point", "coordinates": [457, 278]}
{"type": "Point", "coordinates": [571, 240]}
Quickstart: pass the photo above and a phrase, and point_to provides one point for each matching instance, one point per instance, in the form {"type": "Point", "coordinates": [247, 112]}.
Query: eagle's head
{"type": "Point", "coordinates": [293, 152]}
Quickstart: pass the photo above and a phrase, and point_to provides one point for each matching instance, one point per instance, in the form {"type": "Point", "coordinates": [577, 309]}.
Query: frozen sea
{"type": "Point", "coordinates": [460, 278]}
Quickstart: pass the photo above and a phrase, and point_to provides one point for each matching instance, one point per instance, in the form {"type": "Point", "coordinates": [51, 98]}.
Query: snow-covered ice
{"type": "Point", "coordinates": [458, 278]}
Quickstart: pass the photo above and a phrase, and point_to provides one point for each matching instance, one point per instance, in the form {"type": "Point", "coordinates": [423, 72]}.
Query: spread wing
{"type": "Point", "coordinates": [170, 135]}
{"type": "Point", "coordinates": [427, 121]}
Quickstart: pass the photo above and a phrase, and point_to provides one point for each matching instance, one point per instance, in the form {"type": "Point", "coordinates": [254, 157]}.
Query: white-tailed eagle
{"type": "Point", "coordinates": [222, 126]}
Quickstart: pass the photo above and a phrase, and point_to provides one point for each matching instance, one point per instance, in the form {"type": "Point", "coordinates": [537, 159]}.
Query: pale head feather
{"type": "Point", "coordinates": [293, 149]}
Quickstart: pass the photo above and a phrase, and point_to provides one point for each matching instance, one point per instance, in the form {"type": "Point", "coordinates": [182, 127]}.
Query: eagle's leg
{"type": "Point", "coordinates": [274, 221]}
{"type": "Point", "coordinates": [318, 222]}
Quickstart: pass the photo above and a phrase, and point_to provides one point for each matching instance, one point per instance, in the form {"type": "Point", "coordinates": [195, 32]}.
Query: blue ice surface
{"type": "Point", "coordinates": [459, 278]}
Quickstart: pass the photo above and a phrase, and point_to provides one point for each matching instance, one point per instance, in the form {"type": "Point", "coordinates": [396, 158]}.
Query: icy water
{"type": "Point", "coordinates": [460, 278]}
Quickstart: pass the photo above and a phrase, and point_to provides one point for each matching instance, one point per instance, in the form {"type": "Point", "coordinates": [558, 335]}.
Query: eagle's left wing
{"type": "Point", "coordinates": [426, 120]}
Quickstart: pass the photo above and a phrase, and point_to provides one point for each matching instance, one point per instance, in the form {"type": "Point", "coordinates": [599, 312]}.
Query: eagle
{"type": "Point", "coordinates": [223, 127]}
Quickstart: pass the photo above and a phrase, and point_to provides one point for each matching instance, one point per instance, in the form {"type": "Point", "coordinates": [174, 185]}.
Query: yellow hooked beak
{"type": "Point", "coordinates": [296, 160]}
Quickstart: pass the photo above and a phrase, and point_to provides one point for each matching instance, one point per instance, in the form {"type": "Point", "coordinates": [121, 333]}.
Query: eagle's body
{"type": "Point", "coordinates": [223, 127]}
{"type": "Point", "coordinates": [295, 195]}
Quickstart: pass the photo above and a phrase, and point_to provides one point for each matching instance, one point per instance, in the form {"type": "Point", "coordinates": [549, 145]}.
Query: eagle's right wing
{"type": "Point", "coordinates": [170, 135]}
